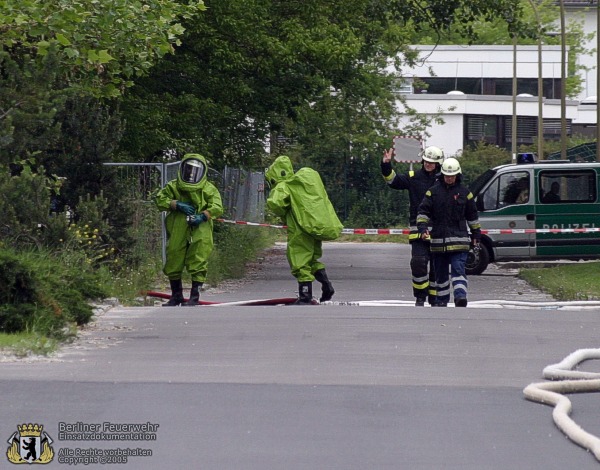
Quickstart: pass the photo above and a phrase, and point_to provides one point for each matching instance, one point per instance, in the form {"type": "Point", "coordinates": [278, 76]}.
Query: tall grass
{"type": "Point", "coordinates": [235, 246]}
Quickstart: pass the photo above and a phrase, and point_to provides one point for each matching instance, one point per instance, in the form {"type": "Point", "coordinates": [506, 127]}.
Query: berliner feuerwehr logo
{"type": "Point", "coordinates": [30, 445]}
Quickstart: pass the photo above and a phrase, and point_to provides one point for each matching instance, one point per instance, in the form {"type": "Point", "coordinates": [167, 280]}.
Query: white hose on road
{"type": "Point", "coordinates": [514, 304]}
{"type": "Point", "coordinates": [569, 381]}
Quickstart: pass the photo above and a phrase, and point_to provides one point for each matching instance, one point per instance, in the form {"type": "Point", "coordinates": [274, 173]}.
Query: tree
{"type": "Point", "coordinates": [102, 46]}
{"type": "Point", "coordinates": [247, 70]}
{"type": "Point", "coordinates": [60, 49]}
{"type": "Point", "coordinates": [29, 99]}
{"type": "Point", "coordinates": [63, 66]}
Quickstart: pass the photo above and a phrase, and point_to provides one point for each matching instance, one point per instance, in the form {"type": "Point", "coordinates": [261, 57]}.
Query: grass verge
{"type": "Point", "coordinates": [26, 344]}
{"type": "Point", "coordinates": [568, 282]}
{"type": "Point", "coordinates": [374, 238]}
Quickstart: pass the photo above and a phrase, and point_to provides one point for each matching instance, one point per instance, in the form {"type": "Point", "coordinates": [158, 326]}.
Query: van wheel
{"type": "Point", "coordinates": [478, 260]}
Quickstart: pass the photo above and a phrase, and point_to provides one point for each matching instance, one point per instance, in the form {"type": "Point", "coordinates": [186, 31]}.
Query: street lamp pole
{"type": "Point", "coordinates": [540, 146]}
{"type": "Point", "coordinates": [563, 83]}
{"type": "Point", "coordinates": [540, 126]}
{"type": "Point", "coordinates": [514, 102]}
{"type": "Point", "coordinates": [597, 81]}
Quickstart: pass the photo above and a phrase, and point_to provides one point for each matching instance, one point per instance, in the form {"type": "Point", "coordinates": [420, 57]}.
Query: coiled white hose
{"type": "Point", "coordinates": [568, 381]}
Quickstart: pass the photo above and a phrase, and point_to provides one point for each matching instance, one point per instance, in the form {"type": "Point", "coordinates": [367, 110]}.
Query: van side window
{"type": "Point", "coordinates": [564, 186]}
{"type": "Point", "coordinates": [505, 190]}
{"type": "Point", "coordinates": [514, 188]}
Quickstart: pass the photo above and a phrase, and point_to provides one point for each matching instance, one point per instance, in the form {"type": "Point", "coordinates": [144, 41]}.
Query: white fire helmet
{"type": "Point", "coordinates": [450, 167]}
{"type": "Point", "coordinates": [433, 154]}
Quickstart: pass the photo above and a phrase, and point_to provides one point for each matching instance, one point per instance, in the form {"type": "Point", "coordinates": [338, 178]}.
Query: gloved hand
{"type": "Point", "coordinates": [195, 220]}
{"type": "Point", "coordinates": [186, 208]}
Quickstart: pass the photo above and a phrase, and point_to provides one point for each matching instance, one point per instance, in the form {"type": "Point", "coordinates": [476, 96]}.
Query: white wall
{"type": "Point", "coordinates": [449, 136]}
{"type": "Point", "coordinates": [588, 18]}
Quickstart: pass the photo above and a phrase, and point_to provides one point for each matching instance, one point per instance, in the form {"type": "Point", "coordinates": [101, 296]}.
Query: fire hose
{"type": "Point", "coordinates": [568, 380]}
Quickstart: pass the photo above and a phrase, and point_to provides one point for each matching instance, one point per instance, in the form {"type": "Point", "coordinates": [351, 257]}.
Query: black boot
{"type": "Point", "coordinates": [194, 295]}
{"type": "Point", "coordinates": [304, 293]}
{"type": "Point", "coordinates": [176, 294]}
{"type": "Point", "coordinates": [327, 289]}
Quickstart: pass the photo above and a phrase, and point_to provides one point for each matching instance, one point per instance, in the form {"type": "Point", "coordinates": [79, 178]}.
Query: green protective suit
{"type": "Point", "coordinates": [189, 247]}
{"type": "Point", "coordinates": [301, 200]}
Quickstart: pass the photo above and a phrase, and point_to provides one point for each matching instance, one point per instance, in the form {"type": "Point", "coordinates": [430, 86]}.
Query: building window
{"type": "Point", "coordinates": [441, 86]}
{"type": "Point", "coordinates": [481, 128]}
{"type": "Point", "coordinates": [403, 86]}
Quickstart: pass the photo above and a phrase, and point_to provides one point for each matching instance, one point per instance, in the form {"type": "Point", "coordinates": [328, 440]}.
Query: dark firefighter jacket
{"type": "Point", "coordinates": [417, 183]}
{"type": "Point", "coordinates": [448, 210]}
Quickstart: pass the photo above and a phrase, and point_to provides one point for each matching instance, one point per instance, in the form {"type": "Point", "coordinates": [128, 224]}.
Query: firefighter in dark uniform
{"type": "Point", "coordinates": [417, 183]}
{"type": "Point", "coordinates": [445, 217]}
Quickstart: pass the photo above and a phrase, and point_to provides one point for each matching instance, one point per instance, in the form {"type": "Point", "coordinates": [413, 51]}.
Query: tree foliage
{"type": "Point", "coordinates": [63, 67]}
{"type": "Point", "coordinates": [311, 78]}
{"type": "Point", "coordinates": [539, 20]}
{"type": "Point", "coordinates": [102, 45]}
{"type": "Point", "coordinates": [248, 70]}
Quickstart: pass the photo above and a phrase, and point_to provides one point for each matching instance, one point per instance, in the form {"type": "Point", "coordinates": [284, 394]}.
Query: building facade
{"type": "Point", "coordinates": [471, 89]}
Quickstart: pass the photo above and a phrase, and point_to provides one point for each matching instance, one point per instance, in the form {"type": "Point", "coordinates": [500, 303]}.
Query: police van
{"type": "Point", "coordinates": [533, 211]}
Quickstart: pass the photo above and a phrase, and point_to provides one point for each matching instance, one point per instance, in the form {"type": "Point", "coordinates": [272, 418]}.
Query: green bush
{"type": "Point", "coordinates": [45, 293]}
{"type": "Point", "coordinates": [476, 160]}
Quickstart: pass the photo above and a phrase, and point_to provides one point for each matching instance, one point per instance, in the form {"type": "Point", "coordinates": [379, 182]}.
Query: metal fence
{"type": "Point", "coordinates": [242, 192]}
{"type": "Point", "coordinates": [581, 153]}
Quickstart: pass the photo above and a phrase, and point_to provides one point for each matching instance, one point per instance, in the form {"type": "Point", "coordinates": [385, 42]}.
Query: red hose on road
{"type": "Point", "coordinates": [278, 301]}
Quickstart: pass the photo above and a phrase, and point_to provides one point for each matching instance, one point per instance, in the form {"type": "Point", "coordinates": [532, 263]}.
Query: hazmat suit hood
{"type": "Point", "coordinates": [280, 170]}
{"type": "Point", "coordinates": [191, 175]}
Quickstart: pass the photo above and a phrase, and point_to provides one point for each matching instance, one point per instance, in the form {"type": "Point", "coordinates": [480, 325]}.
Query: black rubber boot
{"type": "Point", "coordinates": [194, 295]}
{"type": "Point", "coordinates": [327, 289]}
{"type": "Point", "coordinates": [176, 294]}
{"type": "Point", "coordinates": [304, 293]}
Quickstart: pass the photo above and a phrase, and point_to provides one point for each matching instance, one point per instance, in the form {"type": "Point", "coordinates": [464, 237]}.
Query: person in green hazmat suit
{"type": "Point", "coordinates": [301, 200]}
{"type": "Point", "coordinates": [192, 202]}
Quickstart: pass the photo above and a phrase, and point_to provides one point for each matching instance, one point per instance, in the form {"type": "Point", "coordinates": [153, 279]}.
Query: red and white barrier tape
{"type": "Point", "coordinates": [241, 222]}
{"type": "Point", "coordinates": [404, 231]}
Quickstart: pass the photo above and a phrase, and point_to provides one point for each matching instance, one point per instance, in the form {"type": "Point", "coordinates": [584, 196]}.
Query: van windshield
{"type": "Point", "coordinates": [481, 181]}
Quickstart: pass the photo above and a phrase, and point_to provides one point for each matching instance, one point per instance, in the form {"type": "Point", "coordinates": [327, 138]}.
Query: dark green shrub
{"type": "Point", "coordinates": [44, 293]}
{"type": "Point", "coordinates": [475, 161]}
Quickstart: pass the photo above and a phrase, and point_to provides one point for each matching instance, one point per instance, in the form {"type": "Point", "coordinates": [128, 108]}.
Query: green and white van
{"type": "Point", "coordinates": [534, 211]}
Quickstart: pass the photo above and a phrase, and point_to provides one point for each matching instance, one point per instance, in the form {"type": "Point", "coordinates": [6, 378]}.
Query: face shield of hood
{"type": "Point", "coordinates": [192, 171]}
{"type": "Point", "coordinates": [280, 170]}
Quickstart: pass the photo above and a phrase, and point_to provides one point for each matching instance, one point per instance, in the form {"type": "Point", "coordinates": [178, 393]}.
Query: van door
{"type": "Point", "coordinates": [507, 203]}
{"type": "Point", "coordinates": [567, 200]}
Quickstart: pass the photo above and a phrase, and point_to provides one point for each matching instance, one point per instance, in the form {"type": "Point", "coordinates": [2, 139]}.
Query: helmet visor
{"type": "Point", "coordinates": [192, 171]}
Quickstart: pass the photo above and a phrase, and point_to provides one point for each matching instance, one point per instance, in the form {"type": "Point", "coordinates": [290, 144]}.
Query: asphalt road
{"type": "Point", "coordinates": [336, 386]}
